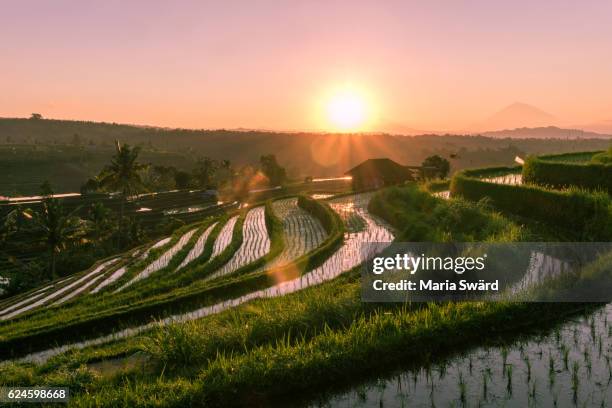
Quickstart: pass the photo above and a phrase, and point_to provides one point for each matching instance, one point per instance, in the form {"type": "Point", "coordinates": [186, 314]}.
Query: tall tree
{"type": "Point", "coordinates": [60, 229]}
{"type": "Point", "coordinates": [436, 165]}
{"type": "Point", "coordinates": [123, 176]}
{"type": "Point", "coordinates": [273, 171]}
{"type": "Point", "coordinates": [204, 172]}
{"type": "Point", "coordinates": [225, 174]}
{"type": "Point", "coordinates": [182, 179]}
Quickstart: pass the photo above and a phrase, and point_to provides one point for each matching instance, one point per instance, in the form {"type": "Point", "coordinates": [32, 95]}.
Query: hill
{"type": "Point", "coordinates": [549, 132]}
{"type": "Point", "coordinates": [67, 152]}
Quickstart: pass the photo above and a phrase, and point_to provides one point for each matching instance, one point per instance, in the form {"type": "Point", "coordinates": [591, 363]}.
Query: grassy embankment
{"type": "Point", "coordinates": [603, 157]}
{"type": "Point", "coordinates": [589, 171]}
{"type": "Point", "coordinates": [582, 215]}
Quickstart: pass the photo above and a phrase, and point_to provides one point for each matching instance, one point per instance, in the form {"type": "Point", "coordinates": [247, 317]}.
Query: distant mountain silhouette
{"type": "Point", "coordinates": [549, 132]}
{"type": "Point", "coordinates": [517, 115]}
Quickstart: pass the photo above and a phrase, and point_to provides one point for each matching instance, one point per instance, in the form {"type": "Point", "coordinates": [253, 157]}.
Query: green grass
{"type": "Point", "coordinates": [587, 215]}
{"type": "Point", "coordinates": [297, 317]}
{"type": "Point", "coordinates": [421, 217]}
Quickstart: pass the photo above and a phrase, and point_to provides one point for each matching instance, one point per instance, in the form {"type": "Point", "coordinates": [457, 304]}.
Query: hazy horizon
{"type": "Point", "coordinates": [424, 67]}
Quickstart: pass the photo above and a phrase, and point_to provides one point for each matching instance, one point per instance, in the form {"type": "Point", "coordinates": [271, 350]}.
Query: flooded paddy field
{"type": "Point", "coordinates": [566, 366]}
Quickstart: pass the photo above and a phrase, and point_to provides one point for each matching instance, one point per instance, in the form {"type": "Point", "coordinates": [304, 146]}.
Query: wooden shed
{"type": "Point", "coordinates": [377, 173]}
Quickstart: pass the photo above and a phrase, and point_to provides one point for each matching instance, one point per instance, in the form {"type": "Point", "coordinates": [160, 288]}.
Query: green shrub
{"type": "Point", "coordinates": [554, 172]}
{"type": "Point", "coordinates": [588, 214]}
{"type": "Point", "coordinates": [421, 217]}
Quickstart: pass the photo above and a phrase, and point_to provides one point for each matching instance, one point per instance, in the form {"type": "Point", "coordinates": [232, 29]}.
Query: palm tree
{"type": "Point", "coordinates": [6, 229]}
{"type": "Point", "coordinates": [100, 221]}
{"type": "Point", "coordinates": [205, 170]}
{"type": "Point", "coordinates": [60, 229]}
{"type": "Point", "coordinates": [123, 175]}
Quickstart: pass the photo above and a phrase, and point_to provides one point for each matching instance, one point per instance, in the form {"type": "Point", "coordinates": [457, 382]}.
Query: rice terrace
{"type": "Point", "coordinates": [304, 205]}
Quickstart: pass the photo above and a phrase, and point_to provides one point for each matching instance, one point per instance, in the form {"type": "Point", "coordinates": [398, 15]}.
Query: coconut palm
{"type": "Point", "coordinates": [60, 229]}
{"type": "Point", "coordinates": [101, 224]}
{"type": "Point", "coordinates": [123, 176]}
{"type": "Point", "coordinates": [205, 170]}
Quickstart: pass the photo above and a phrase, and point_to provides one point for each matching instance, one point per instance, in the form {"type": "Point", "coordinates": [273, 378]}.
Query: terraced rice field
{"type": "Point", "coordinates": [357, 247]}
{"type": "Point", "coordinates": [511, 179]}
{"type": "Point", "coordinates": [77, 286]}
{"type": "Point", "coordinates": [225, 237]}
{"type": "Point", "coordinates": [158, 244]}
{"type": "Point", "coordinates": [351, 210]}
{"type": "Point", "coordinates": [373, 237]}
{"type": "Point", "coordinates": [116, 274]}
{"type": "Point", "coordinates": [12, 305]}
{"type": "Point", "coordinates": [255, 243]}
{"type": "Point", "coordinates": [303, 233]}
{"type": "Point", "coordinates": [28, 295]}
{"type": "Point", "coordinates": [162, 261]}
{"type": "Point", "coordinates": [87, 284]}
{"type": "Point", "coordinates": [198, 248]}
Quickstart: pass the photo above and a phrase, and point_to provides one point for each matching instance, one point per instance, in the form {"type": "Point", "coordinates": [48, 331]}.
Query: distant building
{"type": "Point", "coordinates": [377, 173]}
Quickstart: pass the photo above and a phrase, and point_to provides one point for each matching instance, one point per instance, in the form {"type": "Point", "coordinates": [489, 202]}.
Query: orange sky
{"type": "Point", "coordinates": [211, 64]}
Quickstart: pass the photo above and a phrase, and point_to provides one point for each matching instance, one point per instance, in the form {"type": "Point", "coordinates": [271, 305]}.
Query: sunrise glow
{"type": "Point", "coordinates": [347, 110]}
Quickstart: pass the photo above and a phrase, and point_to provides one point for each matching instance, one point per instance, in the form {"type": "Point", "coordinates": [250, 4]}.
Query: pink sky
{"type": "Point", "coordinates": [263, 64]}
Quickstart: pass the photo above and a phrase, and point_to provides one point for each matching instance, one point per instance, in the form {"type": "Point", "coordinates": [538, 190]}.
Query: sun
{"type": "Point", "coordinates": [346, 110]}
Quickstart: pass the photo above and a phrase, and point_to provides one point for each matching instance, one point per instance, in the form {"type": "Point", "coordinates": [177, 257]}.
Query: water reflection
{"type": "Point", "coordinates": [565, 367]}
{"type": "Point", "coordinates": [511, 179]}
